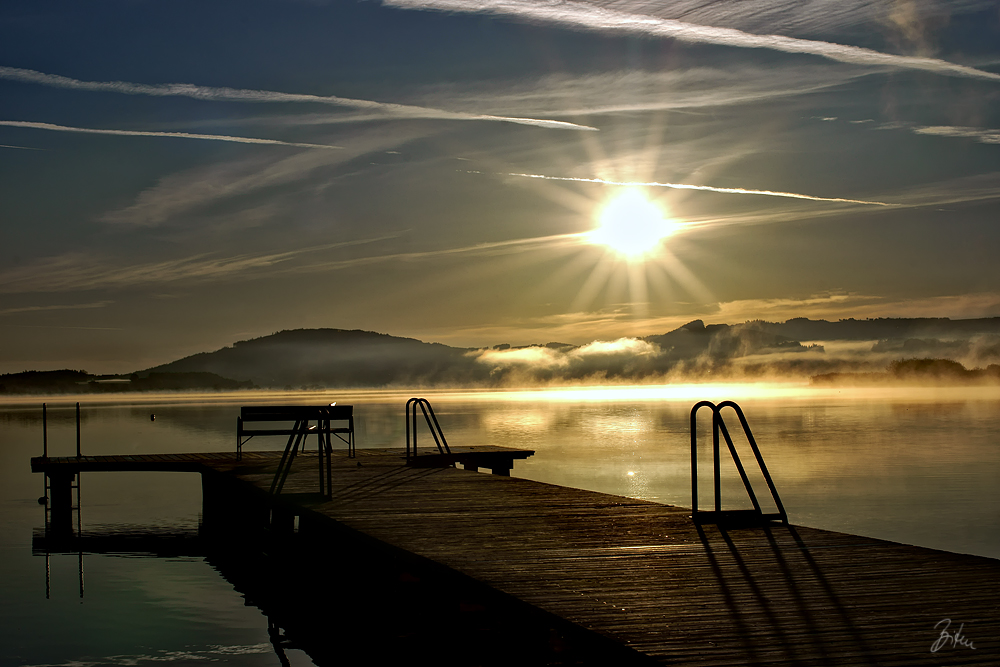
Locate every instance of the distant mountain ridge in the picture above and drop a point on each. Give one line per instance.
(801, 328)
(320, 358)
(346, 358)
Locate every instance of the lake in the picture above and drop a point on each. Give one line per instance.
(918, 466)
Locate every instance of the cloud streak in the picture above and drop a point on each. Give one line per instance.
(74, 272)
(23, 148)
(77, 271)
(979, 134)
(584, 16)
(216, 94)
(169, 135)
(34, 309)
(705, 188)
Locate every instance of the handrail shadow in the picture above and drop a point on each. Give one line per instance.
(756, 579)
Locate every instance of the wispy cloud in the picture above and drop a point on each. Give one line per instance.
(803, 16)
(216, 94)
(639, 90)
(170, 135)
(77, 306)
(584, 16)
(74, 272)
(706, 188)
(193, 196)
(836, 305)
(23, 148)
(492, 248)
(982, 135)
(977, 188)
(77, 271)
(54, 326)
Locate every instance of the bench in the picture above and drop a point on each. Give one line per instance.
(330, 420)
(301, 415)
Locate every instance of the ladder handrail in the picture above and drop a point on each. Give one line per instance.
(432, 424)
(719, 426)
(756, 453)
(739, 465)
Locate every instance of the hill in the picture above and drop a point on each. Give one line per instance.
(334, 357)
(316, 358)
(799, 348)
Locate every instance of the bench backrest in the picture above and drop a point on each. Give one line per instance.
(260, 413)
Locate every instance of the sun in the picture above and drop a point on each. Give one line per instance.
(631, 225)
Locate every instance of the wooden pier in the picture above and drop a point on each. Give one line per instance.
(638, 575)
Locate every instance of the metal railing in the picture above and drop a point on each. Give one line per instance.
(45, 430)
(756, 515)
(432, 424)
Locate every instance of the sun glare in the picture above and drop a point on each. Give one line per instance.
(631, 225)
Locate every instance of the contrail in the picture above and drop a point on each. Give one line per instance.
(706, 188)
(215, 94)
(23, 148)
(588, 17)
(493, 246)
(175, 135)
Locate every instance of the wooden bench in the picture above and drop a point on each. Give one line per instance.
(325, 417)
(301, 415)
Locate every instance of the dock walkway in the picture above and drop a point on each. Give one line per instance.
(640, 573)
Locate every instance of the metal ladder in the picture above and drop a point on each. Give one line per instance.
(432, 424)
(754, 516)
(62, 529)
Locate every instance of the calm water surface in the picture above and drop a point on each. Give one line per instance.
(917, 466)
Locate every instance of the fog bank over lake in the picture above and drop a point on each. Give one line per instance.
(916, 465)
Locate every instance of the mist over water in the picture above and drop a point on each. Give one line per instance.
(913, 465)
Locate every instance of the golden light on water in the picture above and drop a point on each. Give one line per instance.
(672, 392)
(632, 225)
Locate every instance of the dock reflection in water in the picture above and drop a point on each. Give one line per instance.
(332, 600)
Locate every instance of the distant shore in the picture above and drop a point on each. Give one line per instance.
(81, 382)
(916, 372)
(901, 373)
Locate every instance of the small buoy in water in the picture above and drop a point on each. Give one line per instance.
(152, 418)
(43, 500)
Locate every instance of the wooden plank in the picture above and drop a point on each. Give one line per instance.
(645, 575)
(640, 573)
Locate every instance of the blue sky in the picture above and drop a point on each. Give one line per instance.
(177, 176)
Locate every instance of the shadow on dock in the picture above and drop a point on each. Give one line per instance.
(769, 597)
